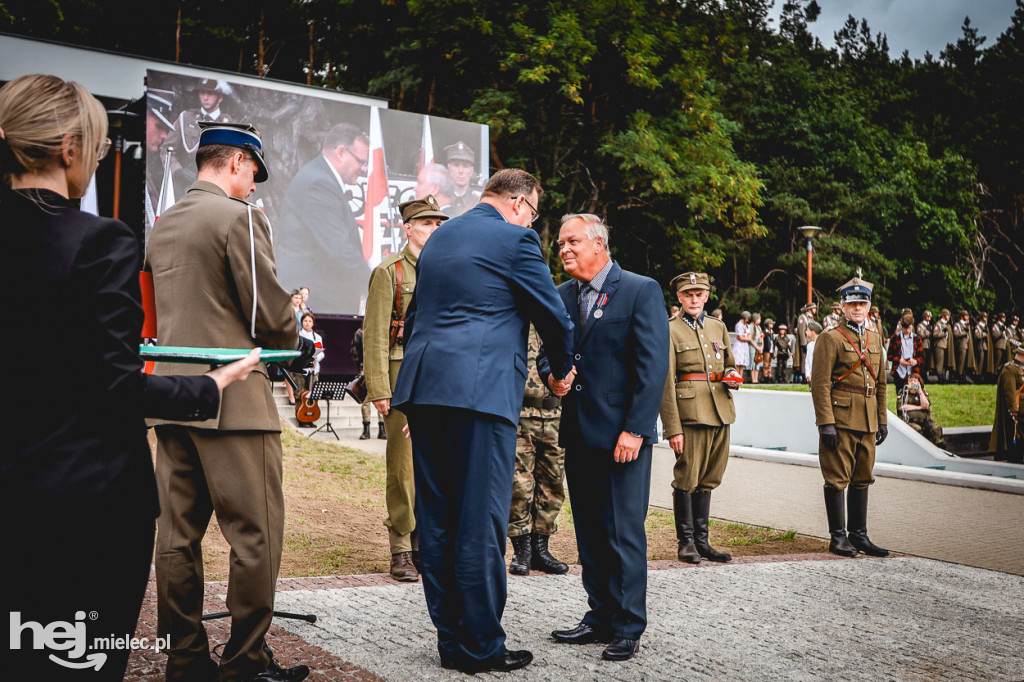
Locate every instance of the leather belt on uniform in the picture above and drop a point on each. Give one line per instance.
(859, 390)
(698, 376)
(549, 403)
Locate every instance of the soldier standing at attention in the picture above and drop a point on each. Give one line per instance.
(832, 319)
(998, 332)
(807, 314)
(391, 286)
(461, 168)
(963, 342)
(848, 390)
(783, 349)
(1007, 441)
(942, 345)
(983, 345)
(696, 411)
(924, 330)
(538, 490)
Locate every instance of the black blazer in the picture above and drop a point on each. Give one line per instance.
(76, 433)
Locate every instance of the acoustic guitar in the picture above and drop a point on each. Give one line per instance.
(306, 411)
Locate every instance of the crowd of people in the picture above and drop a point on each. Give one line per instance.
(970, 349)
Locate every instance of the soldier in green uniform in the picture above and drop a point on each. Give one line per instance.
(807, 315)
(924, 330)
(999, 338)
(783, 351)
(848, 390)
(942, 346)
(696, 411)
(391, 286)
(1007, 441)
(461, 167)
(538, 490)
(963, 345)
(914, 407)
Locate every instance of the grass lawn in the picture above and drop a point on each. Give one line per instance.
(334, 499)
(952, 404)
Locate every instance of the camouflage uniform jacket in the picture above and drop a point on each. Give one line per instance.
(535, 388)
(380, 307)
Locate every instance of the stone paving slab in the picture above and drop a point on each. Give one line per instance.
(889, 619)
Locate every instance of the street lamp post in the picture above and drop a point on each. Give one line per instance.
(809, 232)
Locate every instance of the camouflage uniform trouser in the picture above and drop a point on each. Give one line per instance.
(538, 490)
(922, 422)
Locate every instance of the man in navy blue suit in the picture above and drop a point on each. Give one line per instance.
(481, 280)
(609, 423)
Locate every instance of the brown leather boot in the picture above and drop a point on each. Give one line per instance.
(402, 568)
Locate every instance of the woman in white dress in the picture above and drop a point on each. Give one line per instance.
(741, 344)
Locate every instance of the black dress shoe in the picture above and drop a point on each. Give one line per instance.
(507, 662)
(275, 673)
(581, 634)
(621, 649)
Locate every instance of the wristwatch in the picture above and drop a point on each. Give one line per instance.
(636, 435)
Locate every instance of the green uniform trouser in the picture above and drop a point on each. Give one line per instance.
(851, 463)
(705, 454)
(237, 475)
(939, 360)
(400, 488)
(538, 490)
(922, 422)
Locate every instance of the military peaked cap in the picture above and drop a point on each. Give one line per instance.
(242, 135)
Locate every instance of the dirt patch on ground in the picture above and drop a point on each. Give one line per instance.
(334, 499)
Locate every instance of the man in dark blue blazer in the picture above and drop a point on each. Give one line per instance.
(609, 423)
(317, 242)
(481, 280)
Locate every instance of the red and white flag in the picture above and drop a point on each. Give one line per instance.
(377, 208)
(426, 145)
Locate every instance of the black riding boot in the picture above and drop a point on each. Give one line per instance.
(857, 511)
(682, 506)
(701, 505)
(522, 557)
(366, 431)
(542, 559)
(836, 513)
(381, 433)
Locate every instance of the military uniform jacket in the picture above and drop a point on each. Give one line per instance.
(961, 333)
(941, 334)
(202, 259)
(1008, 395)
(834, 355)
(925, 332)
(998, 335)
(380, 310)
(783, 344)
(703, 348)
(801, 328)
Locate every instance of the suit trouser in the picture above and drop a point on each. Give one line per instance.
(705, 455)
(400, 481)
(90, 558)
(609, 505)
(851, 463)
(463, 462)
(238, 476)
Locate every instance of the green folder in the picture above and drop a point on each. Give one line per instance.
(210, 356)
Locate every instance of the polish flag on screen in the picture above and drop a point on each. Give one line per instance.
(378, 201)
(166, 199)
(426, 145)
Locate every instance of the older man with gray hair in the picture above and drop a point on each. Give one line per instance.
(609, 424)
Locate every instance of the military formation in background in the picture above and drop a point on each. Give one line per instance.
(964, 349)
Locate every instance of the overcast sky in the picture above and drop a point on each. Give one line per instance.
(914, 25)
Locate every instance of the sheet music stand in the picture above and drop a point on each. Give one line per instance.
(327, 390)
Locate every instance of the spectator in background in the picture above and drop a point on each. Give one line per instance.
(813, 329)
(769, 349)
(305, 299)
(741, 343)
(756, 347)
(357, 357)
(433, 180)
(914, 407)
(906, 352)
(673, 312)
(311, 374)
(783, 351)
(718, 314)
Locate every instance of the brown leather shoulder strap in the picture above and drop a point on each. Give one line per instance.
(398, 291)
(861, 359)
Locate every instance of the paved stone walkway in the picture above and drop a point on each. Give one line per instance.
(898, 618)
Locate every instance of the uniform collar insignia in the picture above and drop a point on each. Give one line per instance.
(694, 323)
